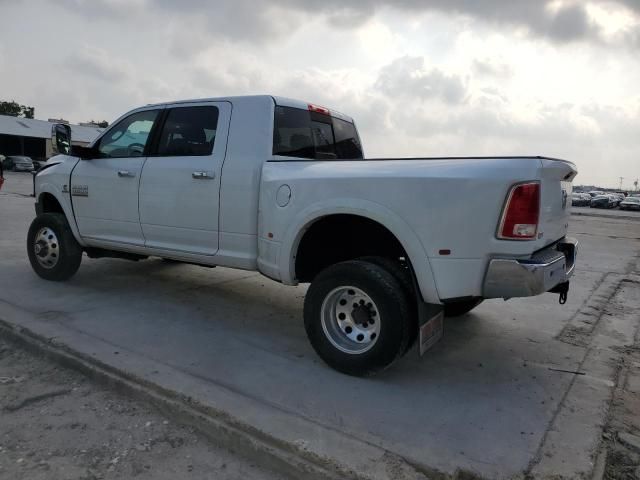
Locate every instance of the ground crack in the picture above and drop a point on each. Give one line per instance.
(580, 328)
(35, 399)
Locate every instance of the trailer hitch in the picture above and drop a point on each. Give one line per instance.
(563, 290)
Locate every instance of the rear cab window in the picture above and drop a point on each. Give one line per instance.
(314, 135)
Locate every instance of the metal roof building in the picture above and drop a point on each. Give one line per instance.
(25, 136)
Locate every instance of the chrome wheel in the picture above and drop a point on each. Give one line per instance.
(46, 248)
(350, 320)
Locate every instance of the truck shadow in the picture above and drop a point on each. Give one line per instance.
(261, 314)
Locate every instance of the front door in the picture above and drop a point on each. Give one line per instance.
(104, 190)
(180, 183)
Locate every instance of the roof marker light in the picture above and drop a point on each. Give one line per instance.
(319, 109)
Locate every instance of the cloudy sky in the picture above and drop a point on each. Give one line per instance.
(421, 77)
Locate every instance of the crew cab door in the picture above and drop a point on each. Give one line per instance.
(104, 189)
(180, 183)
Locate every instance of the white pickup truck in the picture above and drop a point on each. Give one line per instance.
(282, 187)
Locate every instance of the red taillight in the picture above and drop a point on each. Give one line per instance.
(318, 109)
(521, 213)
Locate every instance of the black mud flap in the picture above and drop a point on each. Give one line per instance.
(431, 322)
(563, 290)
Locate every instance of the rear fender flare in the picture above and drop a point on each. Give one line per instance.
(363, 208)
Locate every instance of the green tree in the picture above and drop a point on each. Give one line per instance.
(14, 109)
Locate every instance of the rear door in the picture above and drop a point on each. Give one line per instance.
(104, 189)
(180, 183)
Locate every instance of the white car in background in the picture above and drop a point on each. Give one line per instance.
(630, 203)
(20, 163)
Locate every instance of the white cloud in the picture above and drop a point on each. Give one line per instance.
(407, 77)
(100, 64)
(421, 77)
(378, 41)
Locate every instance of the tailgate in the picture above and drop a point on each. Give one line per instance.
(555, 202)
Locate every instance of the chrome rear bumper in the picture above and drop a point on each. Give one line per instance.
(508, 278)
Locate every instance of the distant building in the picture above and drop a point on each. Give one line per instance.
(24, 136)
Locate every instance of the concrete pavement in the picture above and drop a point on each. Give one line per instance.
(496, 397)
(603, 212)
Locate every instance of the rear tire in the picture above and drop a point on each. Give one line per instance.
(357, 317)
(53, 251)
(458, 309)
(402, 274)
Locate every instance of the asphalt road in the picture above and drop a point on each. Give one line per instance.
(514, 387)
(606, 212)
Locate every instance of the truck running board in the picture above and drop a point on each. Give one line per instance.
(93, 252)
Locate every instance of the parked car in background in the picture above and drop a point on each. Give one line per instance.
(594, 193)
(18, 163)
(576, 200)
(602, 201)
(38, 164)
(615, 199)
(630, 203)
(580, 199)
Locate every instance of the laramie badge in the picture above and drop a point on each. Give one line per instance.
(80, 190)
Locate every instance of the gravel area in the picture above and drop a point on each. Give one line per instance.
(57, 424)
(622, 435)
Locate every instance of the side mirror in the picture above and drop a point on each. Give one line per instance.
(61, 139)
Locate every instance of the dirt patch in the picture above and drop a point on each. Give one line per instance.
(623, 458)
(58, 424)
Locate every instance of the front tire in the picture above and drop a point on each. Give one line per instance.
(53, 251)
(357, 317)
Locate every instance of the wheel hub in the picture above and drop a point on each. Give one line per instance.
(361, 315)
(46, 248)
(41, 249)
(350, 320)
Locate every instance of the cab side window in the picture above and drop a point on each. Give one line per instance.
(188, 131)
(128, 138)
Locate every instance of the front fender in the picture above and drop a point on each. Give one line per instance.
(65, 202)
(364, 208)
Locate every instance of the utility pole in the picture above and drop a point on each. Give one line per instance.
(635, 184)
(621, 178)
